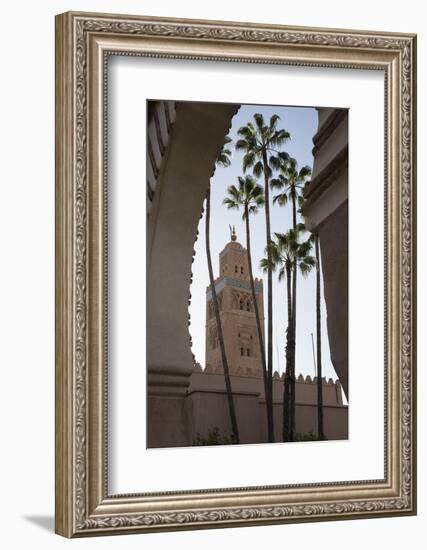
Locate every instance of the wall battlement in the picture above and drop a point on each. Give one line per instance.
(301, 379)
(209, 397)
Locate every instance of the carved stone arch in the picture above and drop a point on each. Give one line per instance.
(175, 212)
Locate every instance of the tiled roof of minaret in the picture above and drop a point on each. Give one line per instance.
(233, 244)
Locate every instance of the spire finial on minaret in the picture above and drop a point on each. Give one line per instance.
(233, 234)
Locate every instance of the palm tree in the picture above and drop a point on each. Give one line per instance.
(288, 253)
(250, 197)
(223, 159)
(283, 257)
(260, 143)
(224, 156)
(320, 431)
(292, 183)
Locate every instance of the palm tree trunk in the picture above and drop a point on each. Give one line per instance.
(270, 426)
(293, 357)
(294, 328)
(288, 370)
(269, 397)
(320, 431)
(232, 411)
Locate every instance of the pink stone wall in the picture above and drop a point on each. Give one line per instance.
(210, 409)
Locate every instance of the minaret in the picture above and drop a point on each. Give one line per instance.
(236, 312)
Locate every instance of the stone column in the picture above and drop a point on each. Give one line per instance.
(326, 213)
(196, 139)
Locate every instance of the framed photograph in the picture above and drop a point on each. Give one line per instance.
(235, 274)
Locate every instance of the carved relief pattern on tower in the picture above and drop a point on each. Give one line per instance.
(211, 310)
(246, 337)
(242, 301)
(213, 337)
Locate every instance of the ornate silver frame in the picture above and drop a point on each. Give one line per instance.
(83, 506)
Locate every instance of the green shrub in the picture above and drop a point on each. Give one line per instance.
(214, 438)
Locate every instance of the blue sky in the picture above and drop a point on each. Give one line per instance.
(301, 123)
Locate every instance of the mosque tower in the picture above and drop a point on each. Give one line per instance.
(237, 314)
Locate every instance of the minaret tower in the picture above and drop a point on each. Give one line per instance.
(236, 312)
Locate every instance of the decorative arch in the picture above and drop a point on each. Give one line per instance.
(172, 226)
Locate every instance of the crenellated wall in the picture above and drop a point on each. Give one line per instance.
(210, 410)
